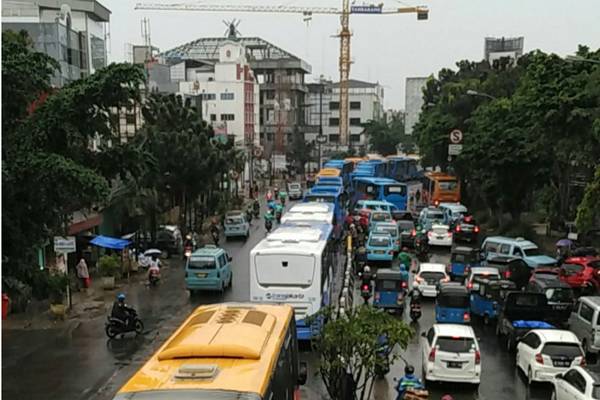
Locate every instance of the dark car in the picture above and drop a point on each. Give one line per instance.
(559, 295)
(408, 233)
(511, 268)
(168, 242)
(466, 230)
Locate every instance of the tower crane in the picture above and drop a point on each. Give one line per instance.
(344, 34)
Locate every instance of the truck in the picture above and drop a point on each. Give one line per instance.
(519, 313)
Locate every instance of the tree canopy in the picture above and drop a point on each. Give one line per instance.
(385, 137)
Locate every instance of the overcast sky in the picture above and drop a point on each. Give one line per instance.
(387, 49)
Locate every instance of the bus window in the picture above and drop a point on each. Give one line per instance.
(448, 185)
(394, 189)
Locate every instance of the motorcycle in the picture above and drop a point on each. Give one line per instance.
(365, 292)
(278, 216)
(153, 277)
(215, 237)
(268, 225)
(249, 216)
(187, 251)
(256, 212)
(414, 393)
(383, 367)
(422, 250)
(115, 326)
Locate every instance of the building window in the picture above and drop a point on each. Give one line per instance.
(334, 122)
(130, 118)
(209, 96)
(213, 117)
(270, 136)
(226, 96)
(227, 117)
(334, 105)
(355, 105)
(334, 138)
(355, 138)
(269, 94)
(355, 121)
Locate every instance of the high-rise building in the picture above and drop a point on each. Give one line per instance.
(413, 102)
(73, 32)
(496, 48)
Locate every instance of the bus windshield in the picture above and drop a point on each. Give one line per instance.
(449, 185)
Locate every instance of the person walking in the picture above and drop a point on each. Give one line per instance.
(83, 273)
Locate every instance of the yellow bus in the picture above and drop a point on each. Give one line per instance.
(224, 351)
(329, 172)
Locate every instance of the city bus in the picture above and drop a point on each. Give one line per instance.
(346, 168)
(380, 166)
(402, 169)
(439, 187)
(354, 160)
(314, 212)
(330, 180)
(382, 189)
(229, 351)
(294, 265)
(338, 199)
(329, 172)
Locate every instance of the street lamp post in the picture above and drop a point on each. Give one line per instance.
(471, 92)
(581, 59)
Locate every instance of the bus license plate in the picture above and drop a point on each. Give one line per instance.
(454, 364)
(201, 275)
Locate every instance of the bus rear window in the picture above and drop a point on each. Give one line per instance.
(394, 189)
(448, 185)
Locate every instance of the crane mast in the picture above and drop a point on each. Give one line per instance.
(344, 35)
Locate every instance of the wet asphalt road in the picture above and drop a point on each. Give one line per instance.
(82, 364)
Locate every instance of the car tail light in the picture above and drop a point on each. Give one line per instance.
(404, 285)
(466, 317)
(413, 233)
(477, 357)
(457, 228)
(582, 362)
(539, 359)
(431, 357)
(429, 234)
(446, 279)
(507, 274)
(470, 285)
(418, 279)
(449, 234)
(365, 287)
(476, 229)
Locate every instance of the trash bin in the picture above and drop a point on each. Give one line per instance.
(5, 303)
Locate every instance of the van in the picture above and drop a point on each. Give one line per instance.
(516, 247)
(584, 323)
(208, 268)
(452, 212)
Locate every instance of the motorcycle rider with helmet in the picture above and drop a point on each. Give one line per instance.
(408, 381)
(122, 311)
(214, 231)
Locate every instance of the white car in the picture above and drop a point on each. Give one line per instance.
(428, 278)
(543, 353)
(490, 273)
(451, 354)
(439, 235)
(295, 191)
(577, 384)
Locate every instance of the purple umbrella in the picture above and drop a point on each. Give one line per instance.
(564, 243)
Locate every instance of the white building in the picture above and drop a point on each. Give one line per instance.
(228, 90)
(496, 48)
(73, 32)
(413, 102)
(365, 103)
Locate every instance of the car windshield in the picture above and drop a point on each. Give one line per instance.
(406, 225)
(379, 241)
(388, 284)
(394, 189)
(435, 215)
(202, 263)
(534, 251)
(553, 349)
(381, 217)
(294, 186)
(559, 295)
(387, 229)
(455, 344)
(234, 220)
(432, 275)
(572, 268)
(487, 275)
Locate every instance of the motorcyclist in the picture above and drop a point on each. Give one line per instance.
(249, 214)
(256, 206)
(366, 276)
(408, 381)
(282, 197)
(276, 192)
(122, 311)
(214, 231)
(154, 270)
(405, 258)
(415, 295)
(269, 217)
(278, 211)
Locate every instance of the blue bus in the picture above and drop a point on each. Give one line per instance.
(382, 189)
(380, 166)
(346, 167)
(402, 168)
(330, 181)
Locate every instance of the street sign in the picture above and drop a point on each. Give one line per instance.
(454, 149)
(321, 139)
(64, 244)
(456, 136)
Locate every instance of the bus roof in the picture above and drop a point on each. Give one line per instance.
(439, 175)
(309, 239)
(233, 345)
(330, 179)
(379, 181)
(311, 207)
(323, 193)
(309, 212)
(318, 188)
(329, 172)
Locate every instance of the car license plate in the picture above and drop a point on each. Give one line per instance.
(562, 363)
(454, 364)
(560, 308)
(440, 237)
(201, 275)
(379, 252)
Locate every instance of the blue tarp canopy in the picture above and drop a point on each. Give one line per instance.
(110, 242)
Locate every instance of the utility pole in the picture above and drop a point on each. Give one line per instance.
(320, 124)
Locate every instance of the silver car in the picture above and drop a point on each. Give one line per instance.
(584, 322)
(295, 191)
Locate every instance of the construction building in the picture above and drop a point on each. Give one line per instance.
(73, 32)
(413, 102)
(280, 76)
(496, 48)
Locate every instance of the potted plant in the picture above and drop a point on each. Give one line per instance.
(57, 289)
(109, 268)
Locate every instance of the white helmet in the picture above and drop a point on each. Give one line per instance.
(367, 269)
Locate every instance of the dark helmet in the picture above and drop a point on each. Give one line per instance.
(409, 370)
(121, 297)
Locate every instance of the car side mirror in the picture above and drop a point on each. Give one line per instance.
(229, 258)
(423, 334)
(302, 373)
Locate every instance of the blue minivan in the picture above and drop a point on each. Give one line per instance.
(208, 268)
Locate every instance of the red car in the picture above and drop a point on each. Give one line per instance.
(581, 273)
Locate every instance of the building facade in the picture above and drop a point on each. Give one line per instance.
(496, 48)
(73, 32)
(365, 104)
(413, 102)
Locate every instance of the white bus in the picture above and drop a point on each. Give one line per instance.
(294, 265)
(310, 212)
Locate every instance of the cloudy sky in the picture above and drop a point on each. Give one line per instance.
(386, 49)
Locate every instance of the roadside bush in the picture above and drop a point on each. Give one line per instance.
(109, 266)
(19, 293)
(57, 287)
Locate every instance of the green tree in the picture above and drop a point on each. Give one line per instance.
(588, 211)
(350, 344)
(382, 139)
(300, 151)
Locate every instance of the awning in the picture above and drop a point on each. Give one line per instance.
(110, 242)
